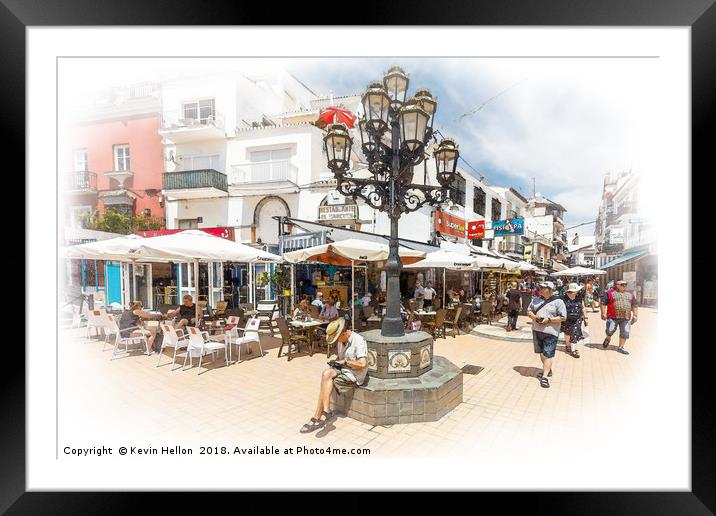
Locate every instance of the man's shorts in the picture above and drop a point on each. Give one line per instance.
(624, 327)
(343, 383)
(544, 343)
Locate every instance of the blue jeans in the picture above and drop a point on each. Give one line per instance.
(544, 343)
(624, 327)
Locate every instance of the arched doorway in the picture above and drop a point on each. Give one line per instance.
(266, 227)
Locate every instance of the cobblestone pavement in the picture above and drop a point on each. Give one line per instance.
(265, 400)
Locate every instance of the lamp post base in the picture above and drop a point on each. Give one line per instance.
(392, 327)
(405, 383)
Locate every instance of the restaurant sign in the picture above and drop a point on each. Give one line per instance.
(476, 229)
(449, 224)
(508, 227)
(227, 233)
(338, 212)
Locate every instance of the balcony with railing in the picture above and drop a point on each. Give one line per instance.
(513, 248)
(179, 127)
(276, 172)
(193, 184)
(82, 182)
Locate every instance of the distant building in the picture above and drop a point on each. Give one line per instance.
(545, 221)
(625, 243)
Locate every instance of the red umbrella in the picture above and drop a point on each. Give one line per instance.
(335, 115)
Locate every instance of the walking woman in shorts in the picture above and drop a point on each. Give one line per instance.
(572, 325)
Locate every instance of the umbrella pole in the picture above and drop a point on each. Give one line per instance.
(293, 286)
(353, 293)
(444, 287)
(196, 289)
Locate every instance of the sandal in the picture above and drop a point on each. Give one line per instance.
(313, 424)
(544, 382)
(575, 353)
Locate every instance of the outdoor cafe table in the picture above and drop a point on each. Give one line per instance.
(310, 327)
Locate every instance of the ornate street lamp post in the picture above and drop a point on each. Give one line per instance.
(394, 133)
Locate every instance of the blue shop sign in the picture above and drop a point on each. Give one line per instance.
(508, 227)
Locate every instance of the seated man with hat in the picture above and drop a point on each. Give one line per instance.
(350, 370)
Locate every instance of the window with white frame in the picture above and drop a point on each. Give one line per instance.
(270, 155)
(121, 157)
(201, 162)
(187, 223)
(201, 110)
(80, 160)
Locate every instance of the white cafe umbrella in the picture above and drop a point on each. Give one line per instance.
(446, 259)
(111, 249)
(198, 246)
(347, 252)
(579, 271)
(193, 245)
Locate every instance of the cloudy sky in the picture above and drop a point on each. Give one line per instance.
(564, 122)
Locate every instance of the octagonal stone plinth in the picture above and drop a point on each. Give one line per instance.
(388, 401)
(408, 356)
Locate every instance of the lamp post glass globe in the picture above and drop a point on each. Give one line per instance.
(446, 156)
(396, 84)
(337, 144)
(376, 106)
(413, 122)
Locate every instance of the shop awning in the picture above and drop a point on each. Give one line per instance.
(579, 271)
(338, 234)
(624, 258)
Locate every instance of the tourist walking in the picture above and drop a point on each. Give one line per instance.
(619, 309)
(591, 299)
(572, 326)
(547, 313)
(514, 306)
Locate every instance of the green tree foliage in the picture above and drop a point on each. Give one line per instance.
(117, 222)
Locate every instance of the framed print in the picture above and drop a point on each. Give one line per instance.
(426, 252)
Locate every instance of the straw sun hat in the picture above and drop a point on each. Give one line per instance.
(334, 329)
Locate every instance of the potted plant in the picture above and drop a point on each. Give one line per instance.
(281, 282)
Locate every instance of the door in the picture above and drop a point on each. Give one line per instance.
(216, 282)
(187, 284)
(113, 282)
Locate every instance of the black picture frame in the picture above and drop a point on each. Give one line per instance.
(700, 15)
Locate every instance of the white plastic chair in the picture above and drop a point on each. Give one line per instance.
(79, 317)
(250, 334)
(96, 320)
(199, 345)
(128, 339)
(172, 338)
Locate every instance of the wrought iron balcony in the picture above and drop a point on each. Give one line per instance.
(83, 181)
(193, 179)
